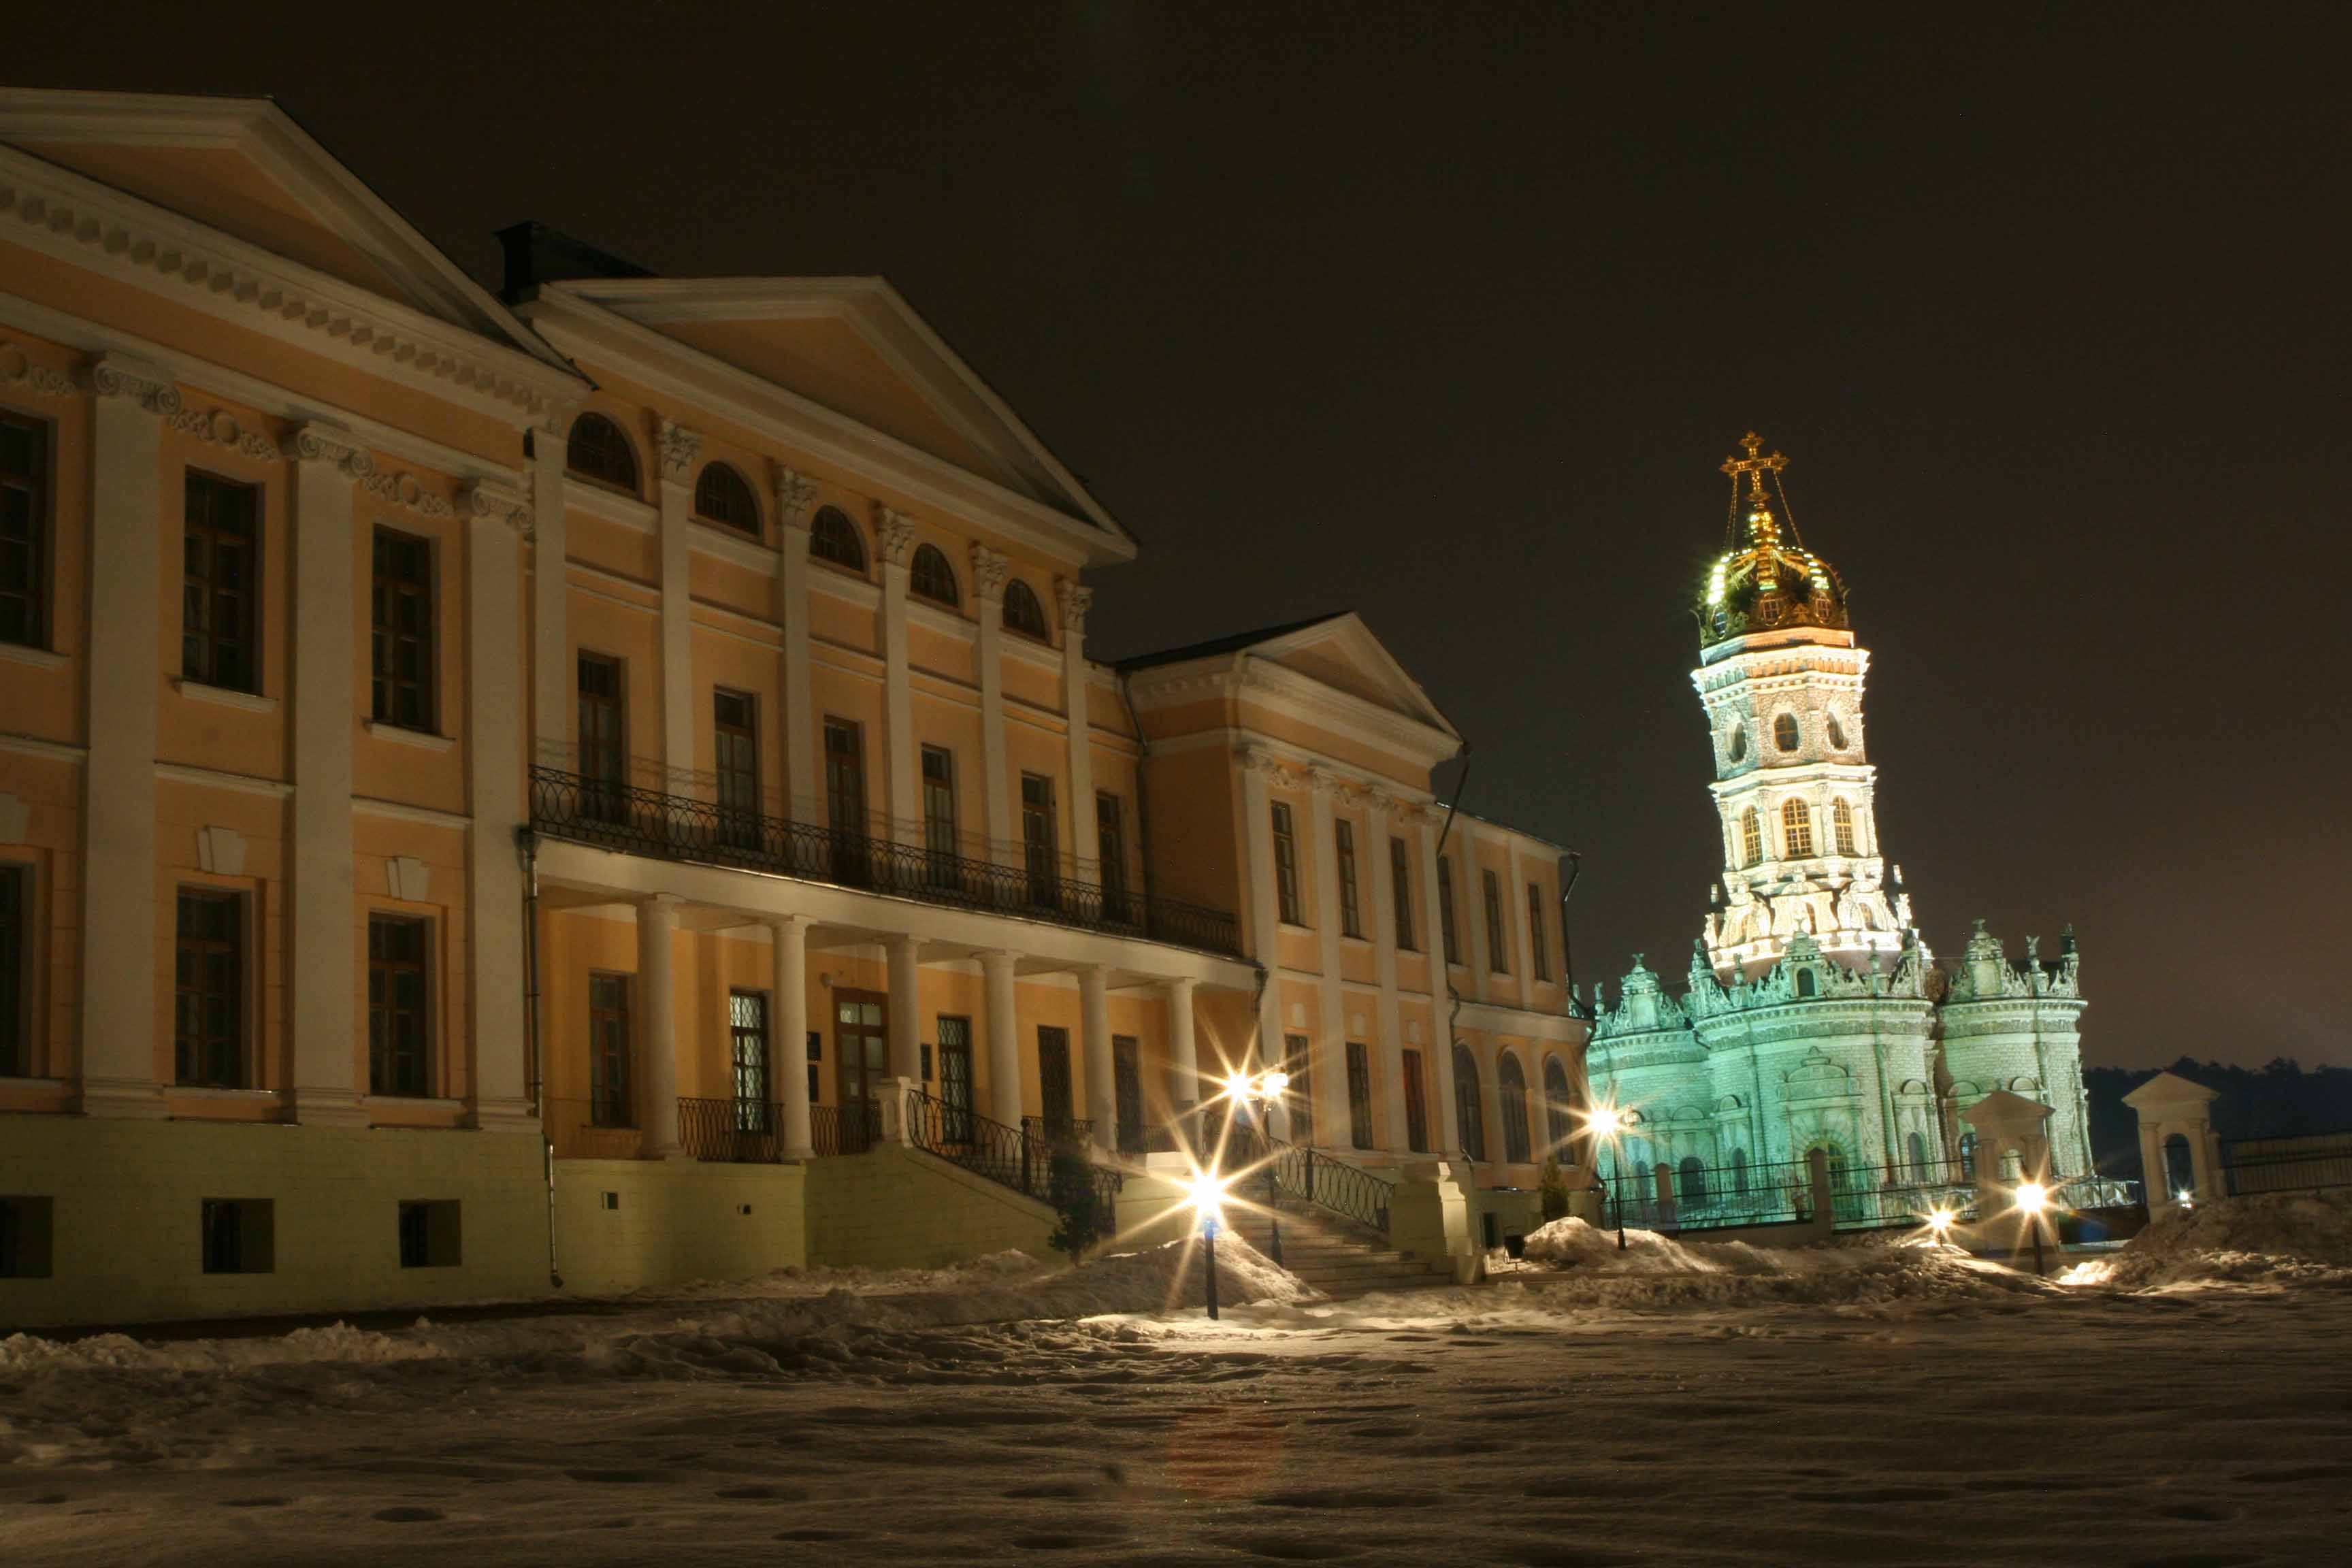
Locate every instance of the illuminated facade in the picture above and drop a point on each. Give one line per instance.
(1814, 1016)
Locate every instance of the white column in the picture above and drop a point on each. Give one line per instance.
(905, 1004)
(1472, 911)
(119, 1021)
(1004, 1039)
(495, 520)
(657, 1027)
(988, 574)
(1444, 1136)
(1391, 1044)
(1183, 1054)
(788, 1035)
(553, 676)
(678, 447)
(1085, 839)
(1258, 771)
(326, 1085)
(1326, 1046)
(896, 537)
(1094, 1021)
(797, 724)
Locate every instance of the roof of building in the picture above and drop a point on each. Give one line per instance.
(1230, 643)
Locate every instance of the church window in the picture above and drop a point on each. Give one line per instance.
(1740, 1170)
(1735, 746)
(1967, 1156)
(833, 537)
(1841, 826)
(1807, 985)
(723, 496)
(1837, 734)
(1751, 838)
(598, 450)
(1691, 1178)
(1784, 732)
(1797, 828)
(1917, 1147)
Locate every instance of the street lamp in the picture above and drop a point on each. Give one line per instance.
(1253, 1094)
(2032, 1199)
(1939, 1221)
(1206, 1192)
(1607, 1122)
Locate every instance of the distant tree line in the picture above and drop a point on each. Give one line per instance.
(2281, 1098)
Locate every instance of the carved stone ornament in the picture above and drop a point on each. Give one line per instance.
(406, 490)
(489, 500)
(795, 497)
(333, 445)
(989, 569)
(896, 532)
(1259, 759)
(114, 376)
(17, 369)
(219, 425)
(677, 446)
(1076, 600)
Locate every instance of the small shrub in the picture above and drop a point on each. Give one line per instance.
(1086, 1215)
(1551, 1189)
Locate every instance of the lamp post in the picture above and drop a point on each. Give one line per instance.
(1253, 1094)
(1206, 1192)
(1606, 1122)
(2032, 1199)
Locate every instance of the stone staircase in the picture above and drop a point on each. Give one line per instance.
(1336, 1256)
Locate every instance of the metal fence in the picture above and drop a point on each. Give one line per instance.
(843, 1129)
(640, 821)
(1310, 1177)
(1780, 1192)
(737, 1131)
(2311, 1163)
(1014, 1157)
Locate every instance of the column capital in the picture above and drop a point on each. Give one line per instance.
(795, 498)
(660, 902)
(989, 569)
(677, 445)
(895, 531)
(1258, 760)
(789, 923)
(489, 500)
(331, 445)
(999, 955)
(1180, 984)
(1076, 599)
(119, 375)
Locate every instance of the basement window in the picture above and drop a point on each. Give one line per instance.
(429, 1234)
(25, 1229)
(611, 1200)
(239, 1236)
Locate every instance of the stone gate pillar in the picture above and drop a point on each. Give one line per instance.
(2166, 1104)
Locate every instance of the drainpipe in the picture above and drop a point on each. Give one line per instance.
(1567, 942)
(526, 847)
(1454, 1013)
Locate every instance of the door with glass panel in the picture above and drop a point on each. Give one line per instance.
(941, 867)
(1110, 832)
(845, 801)
(735, 761)
(955, 1079)
(747, 1031)
(861, 1037)
(602, 740)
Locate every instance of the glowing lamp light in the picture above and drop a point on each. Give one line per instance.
(1605, 1121)
(1940, 1222)
(1272, 1083)
(1237, 1086)
(2032, 1197)
(1206, 1192)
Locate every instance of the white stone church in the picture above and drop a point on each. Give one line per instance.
(1814, 1014)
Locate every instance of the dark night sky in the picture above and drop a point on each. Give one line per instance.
(1447, 315)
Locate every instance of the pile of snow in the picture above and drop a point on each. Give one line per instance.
(2269, 1237)
(1572, 1263)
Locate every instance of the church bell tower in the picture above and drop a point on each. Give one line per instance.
(1781, 677)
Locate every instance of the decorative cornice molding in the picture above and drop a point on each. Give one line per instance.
(334, 445)
(676, 447)
(989, 569)
(17, 369)
(1076, 599)
(114, 375)
(406, 490)
(219, 425)
(795, 497)
(895, 532)
(489, 500)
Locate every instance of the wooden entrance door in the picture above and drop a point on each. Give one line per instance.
(861, 1037)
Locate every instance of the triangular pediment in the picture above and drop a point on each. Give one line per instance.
(242, 167)
(854, 346)
(1341, 653)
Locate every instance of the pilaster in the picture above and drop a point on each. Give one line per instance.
(795, 501)
(496, 522)
(1445, 1134)
(895, 536)
(1258, 769)
(1085, 832)
(1329, 1080)
(678, 449)
(555, 680)
(989, 569)
(1377, 831)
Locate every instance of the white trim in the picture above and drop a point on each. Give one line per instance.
(845, 586)
(421, 740)
(731, 546)
(400, 811)
(1029, 651)
(213, 778)
(602, 500)
(770, 637)
(207, 1092)
(933, 617)
(38, 657)
(221, 696)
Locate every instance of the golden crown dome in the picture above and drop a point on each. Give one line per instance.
(1766, 579)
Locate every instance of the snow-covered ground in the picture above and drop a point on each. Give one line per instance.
(1673, 1403)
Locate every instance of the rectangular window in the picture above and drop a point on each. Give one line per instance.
(942, 867)
(1540, 954)
(208, 1011)
(735, 763)
(237, 1236)
(1417, 1110)
(15, 971)
(955, 1076)
(1110, 838)
(1285, 865)
(816, 1067)
(1298, 1060)
(1343, 844)
(430, 1235)
(400, 640)
(1446, 931)
(604, 739)
(1039, 846)
(747, 1047)
(220, 550)
(24, 1232)
(1400, 895)
(1360, 1094)
(845, 800)
(1054, 1078)
(1126, 1083)
(24, 531)
(608, 1052)
(1497, 957)
(400, 1016)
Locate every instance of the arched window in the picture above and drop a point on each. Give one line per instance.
(1691, 1180)
(1514, 1110)
(598, 450)
(1841, 826)
(723, 496)
(1736, 746)
(1797, 828)
(1467, 1120)
(1751, 838)
(1740, 1170)
(1809, 985)
(1837, 734)
(932, 578)
(833, 537)
(1557, 1105)
(1023, 613)
(1784, 732)
(1917, 1148)
(1969, 1156)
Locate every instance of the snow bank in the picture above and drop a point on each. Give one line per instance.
(2269, 1237)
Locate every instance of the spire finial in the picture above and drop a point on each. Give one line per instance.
(1763, 528)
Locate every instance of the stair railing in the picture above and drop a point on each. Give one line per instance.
(1310, 1177)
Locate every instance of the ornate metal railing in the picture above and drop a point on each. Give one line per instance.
(843, 1129)
(737, 1131)
(1059, 1132)
(640, 821)
(1309, 1176)
(1014, 1157)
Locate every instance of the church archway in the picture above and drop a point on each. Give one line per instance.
(1690, 1181)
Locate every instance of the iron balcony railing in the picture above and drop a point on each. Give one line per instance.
(612, 814)
(1021, 1158)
